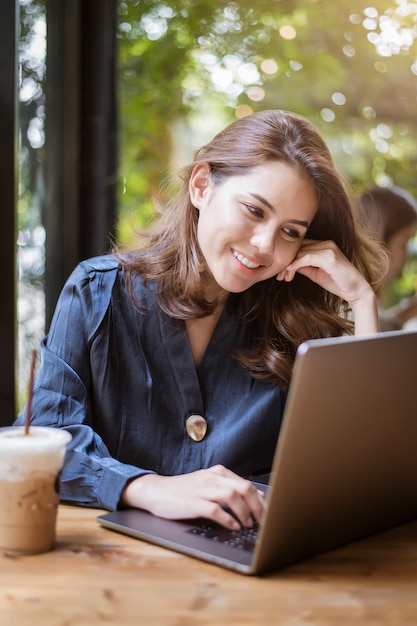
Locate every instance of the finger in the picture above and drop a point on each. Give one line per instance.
(240, 509)
(247, 504)
(241, 496)
(281, 275)
(320, 244)
(256, 502)
(306, 240)
(220, 515)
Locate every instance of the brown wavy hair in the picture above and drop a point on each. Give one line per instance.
(278, 316)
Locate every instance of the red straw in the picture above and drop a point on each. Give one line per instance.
(30, 392)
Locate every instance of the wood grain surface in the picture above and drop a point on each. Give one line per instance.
(96, 576)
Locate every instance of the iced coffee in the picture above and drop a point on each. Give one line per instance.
(30, 467)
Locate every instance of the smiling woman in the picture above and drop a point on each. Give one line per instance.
(169, 363)
(280, 158)
(251, 226)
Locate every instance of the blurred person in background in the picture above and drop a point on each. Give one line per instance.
(391, 214)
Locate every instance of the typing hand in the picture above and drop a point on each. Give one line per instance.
(198, 494)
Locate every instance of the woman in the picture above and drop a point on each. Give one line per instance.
(392, 219)
(170, 364)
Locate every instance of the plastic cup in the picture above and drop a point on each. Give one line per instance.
(30, 468)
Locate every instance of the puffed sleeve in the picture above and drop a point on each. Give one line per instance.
(91, 476)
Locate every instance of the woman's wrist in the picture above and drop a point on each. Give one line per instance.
(135, 492)
(365, 313)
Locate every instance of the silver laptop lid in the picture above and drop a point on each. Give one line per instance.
(346, 461)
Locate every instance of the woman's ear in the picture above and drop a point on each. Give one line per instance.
(199, 183)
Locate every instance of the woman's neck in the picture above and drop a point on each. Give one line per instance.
(200, 331)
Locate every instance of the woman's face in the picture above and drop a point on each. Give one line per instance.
(397, 247)
(251, 226)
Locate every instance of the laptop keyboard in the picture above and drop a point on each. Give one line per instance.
(244, 539)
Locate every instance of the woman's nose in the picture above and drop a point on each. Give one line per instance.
(263, 241)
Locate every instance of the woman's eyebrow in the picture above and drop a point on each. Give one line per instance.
(263, 200)
(272, 208)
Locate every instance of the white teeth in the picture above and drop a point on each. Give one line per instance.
(245, 261)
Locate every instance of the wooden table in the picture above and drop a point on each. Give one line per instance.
(96, 576)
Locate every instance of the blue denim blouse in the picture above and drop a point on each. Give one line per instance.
(123, 382)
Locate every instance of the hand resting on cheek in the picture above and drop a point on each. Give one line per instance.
(325, 264)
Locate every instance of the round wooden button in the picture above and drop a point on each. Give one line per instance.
(196, 427)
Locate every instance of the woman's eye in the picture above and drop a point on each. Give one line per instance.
(291, 232)
(254, 210)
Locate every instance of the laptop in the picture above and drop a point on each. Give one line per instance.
(345, 465)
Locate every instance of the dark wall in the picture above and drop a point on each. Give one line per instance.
(8, 199)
